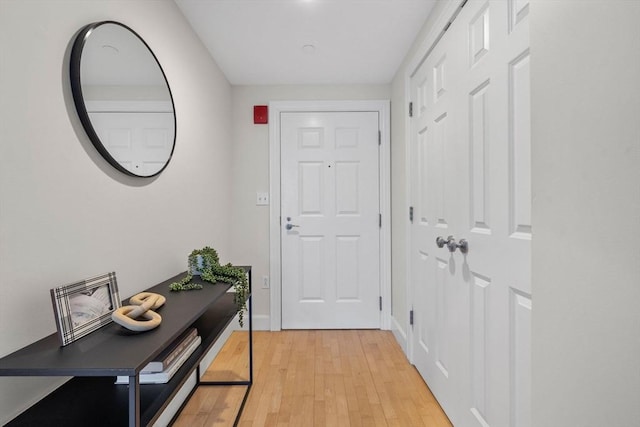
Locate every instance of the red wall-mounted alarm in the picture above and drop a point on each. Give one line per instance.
(260, 114)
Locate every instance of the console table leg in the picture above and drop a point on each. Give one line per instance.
(134, 401)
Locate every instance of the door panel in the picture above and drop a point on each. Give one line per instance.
(520, 147)
(330, 202)
(480, 289)
(310, 283)
(479, 160)
(348, 249)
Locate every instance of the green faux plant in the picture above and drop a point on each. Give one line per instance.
(211, 271)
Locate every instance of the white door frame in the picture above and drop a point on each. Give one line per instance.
(447, 15)
(275, 261)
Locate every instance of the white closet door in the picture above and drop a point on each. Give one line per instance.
(436, 154)
(473, 311)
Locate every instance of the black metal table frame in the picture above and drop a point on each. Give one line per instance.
(247, 383)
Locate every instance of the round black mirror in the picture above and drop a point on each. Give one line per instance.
(123, 98)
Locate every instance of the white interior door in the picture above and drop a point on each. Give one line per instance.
(471, 179)
(330, 229)
(439, 292)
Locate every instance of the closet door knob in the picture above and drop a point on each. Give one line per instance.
(441, 242)
(463, 246)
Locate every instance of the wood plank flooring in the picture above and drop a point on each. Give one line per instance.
(315, 378)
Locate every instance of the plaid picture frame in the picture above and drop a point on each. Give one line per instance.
(85, 306)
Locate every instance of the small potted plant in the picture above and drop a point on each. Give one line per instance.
(206, 263)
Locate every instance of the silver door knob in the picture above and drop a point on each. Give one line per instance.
(463, 245)
(289, 226)
(441, 242)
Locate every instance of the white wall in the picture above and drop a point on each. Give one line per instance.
(585, 86)
(250, 227)
(65, 214)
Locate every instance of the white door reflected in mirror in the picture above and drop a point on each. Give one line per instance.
(123, 98)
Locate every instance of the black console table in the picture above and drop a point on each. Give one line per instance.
(91, 398)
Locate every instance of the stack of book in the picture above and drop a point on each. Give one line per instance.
(168, 362)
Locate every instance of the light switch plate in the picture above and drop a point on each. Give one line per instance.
(262, 199)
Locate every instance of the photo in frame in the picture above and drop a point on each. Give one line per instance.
(85, 306)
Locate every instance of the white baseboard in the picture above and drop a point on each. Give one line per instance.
(261, 322)
(400, 334)
(167, 415)
(217, 346)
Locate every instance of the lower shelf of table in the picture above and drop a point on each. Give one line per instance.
(97, 401)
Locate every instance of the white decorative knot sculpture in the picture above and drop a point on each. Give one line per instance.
(143, 305)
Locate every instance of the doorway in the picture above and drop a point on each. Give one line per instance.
(303, 258)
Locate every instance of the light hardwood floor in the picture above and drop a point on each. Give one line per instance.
(315, 378)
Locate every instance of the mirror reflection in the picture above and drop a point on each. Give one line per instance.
(123, 98)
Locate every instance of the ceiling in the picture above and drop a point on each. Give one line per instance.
(269, 42)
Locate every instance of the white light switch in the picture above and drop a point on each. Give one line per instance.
(262, 199)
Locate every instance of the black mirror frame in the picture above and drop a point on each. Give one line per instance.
(78, 98)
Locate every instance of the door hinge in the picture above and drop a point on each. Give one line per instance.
(411, 317)
(411, 213)
(379, 220)
(380, 299)
(379, 138)
(411, 109)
